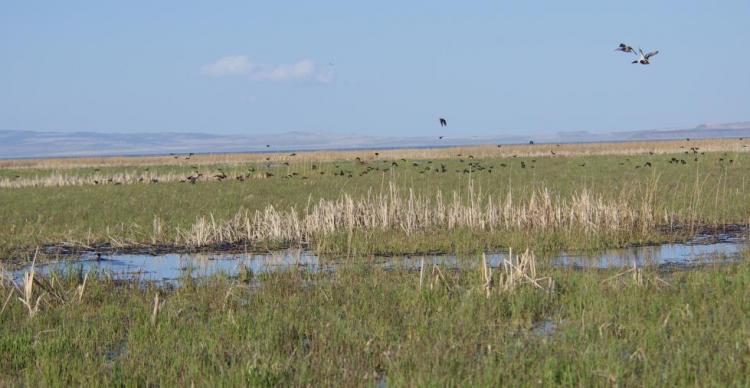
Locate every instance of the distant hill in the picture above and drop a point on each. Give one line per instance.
(704, 131)
(26, 144)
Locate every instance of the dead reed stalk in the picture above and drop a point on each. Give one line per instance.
(520, 270)
(155, 311)
(27, 292)
(82, 287)
(582, 212)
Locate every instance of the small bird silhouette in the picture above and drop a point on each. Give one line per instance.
(443, 123)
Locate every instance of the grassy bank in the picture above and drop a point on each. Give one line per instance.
(674, 189)
(363, 325)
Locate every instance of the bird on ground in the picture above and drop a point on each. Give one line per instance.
(644, 58)
(625, 48)
(443, 122)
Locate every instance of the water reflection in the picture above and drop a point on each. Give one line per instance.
(172, 266)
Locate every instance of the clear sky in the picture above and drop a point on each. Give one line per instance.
(378, 68)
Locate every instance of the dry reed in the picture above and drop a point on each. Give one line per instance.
(520, 270)
(27, 292)
(408, 212)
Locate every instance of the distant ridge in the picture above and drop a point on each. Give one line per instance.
(28, 144)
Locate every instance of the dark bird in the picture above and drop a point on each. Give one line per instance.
(443, 123)
(531, 142)
(268, 145)
(440, 137)
(625, 48)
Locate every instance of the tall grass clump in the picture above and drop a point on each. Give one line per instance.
(407, 212)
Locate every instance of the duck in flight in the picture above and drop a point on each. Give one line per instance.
(644, 58)
(625, 48)
(443, 122)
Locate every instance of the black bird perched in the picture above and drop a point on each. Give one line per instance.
(443, 123)
(531, 142)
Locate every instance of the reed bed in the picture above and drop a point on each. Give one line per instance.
(57, 179)
(407, 212)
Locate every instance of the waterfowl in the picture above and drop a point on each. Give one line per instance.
(625, 48)
(644, 58)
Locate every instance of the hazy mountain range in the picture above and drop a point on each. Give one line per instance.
(26, 144)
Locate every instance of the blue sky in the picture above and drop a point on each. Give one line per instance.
(377, 68)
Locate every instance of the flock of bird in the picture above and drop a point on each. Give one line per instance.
(467, 164)
(643, 58)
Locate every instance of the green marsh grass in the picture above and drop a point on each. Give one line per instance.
(710, 191)
(363, 325)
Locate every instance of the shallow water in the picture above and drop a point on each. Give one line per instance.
(170, 267)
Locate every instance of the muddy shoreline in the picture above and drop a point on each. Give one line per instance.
(692, 235)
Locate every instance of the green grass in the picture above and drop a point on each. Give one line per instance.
(714, 192)
(362, 325)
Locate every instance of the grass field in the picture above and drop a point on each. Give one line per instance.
(524, 323)
(597, 195)
(366, 326)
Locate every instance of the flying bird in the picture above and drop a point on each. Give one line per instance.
(443, 123)
(626, 48)
(644, 58)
